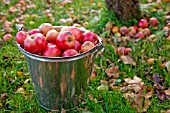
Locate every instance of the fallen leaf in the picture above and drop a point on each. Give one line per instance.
(113, 71)
(147, 103)
(112, 82)
(167, 92)
(158, 79)
(4, 95)
(168, 66)
(103, 87)
(128, 60)
(168, 111)
(161, 95)
(21, 90)
(148, 95)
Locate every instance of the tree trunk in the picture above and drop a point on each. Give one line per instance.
(124, 9)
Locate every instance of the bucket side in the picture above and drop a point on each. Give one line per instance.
(60, 84)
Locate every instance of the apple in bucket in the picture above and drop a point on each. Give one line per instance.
(65, 40)
(35, 43)
(47, 40)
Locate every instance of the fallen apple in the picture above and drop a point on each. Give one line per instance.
(143, 23)
(140, 35)
(131, 31)
(7, 37)
(153, 21)
(115, 29)
(123, 30)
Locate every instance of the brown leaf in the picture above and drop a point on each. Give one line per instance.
(135, 80)
(161, 96)
(113, 71)
(128, 60)
(112, 82)
(167, 92)
(147, 103)
(168, 111)
(4, 95)
(148, 95)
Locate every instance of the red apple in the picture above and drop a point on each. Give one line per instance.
(115, 29)
(147, 31)
(69, 52)
(86, 46)
(77, 45)
(123, 30)
(45, 27)
(7, 37)
(65, 40)
(35, 43)
(51, 50)
(140, 35)
(153, 21)
(127, 50)
(33, 31)
(51, 36)
(20, 37)
(76, 32)
(120, 50)
(131, 31)
(143, 23)
(90, 36)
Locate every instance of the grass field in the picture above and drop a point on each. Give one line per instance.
(16, 89)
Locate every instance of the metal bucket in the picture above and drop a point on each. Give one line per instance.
(60, 82)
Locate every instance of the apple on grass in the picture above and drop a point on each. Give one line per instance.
(123, 30)
(35, 43)
(51, 50)
(153, 21)
(69, 52)
(20, 37)
(143, 23)
(131, 31)
(140, 34)
(51, 36)
(86, 46)
(90, 36)
(76, 32)
(7, 37)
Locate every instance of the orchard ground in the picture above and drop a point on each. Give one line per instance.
(136, 82)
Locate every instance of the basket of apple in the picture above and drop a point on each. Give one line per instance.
(60, 61)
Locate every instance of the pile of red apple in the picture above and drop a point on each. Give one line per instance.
(140, 30)
(47, 41)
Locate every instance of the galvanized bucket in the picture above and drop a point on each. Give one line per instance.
(60, 82)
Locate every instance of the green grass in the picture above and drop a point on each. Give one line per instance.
(14, 72)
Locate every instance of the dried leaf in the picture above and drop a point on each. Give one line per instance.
(103, 82)
(4, 95)
(157, 78)
(168, 66)
(103, 87)
(167, 92)
(148, 95)
(20, 73)
(128, 60)
(112, 82)
(63, 110)
(147, 103)
(21, 90)
(161, 96)
(168, 111)
(113, 71)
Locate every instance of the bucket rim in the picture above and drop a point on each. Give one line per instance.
(96, 48)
